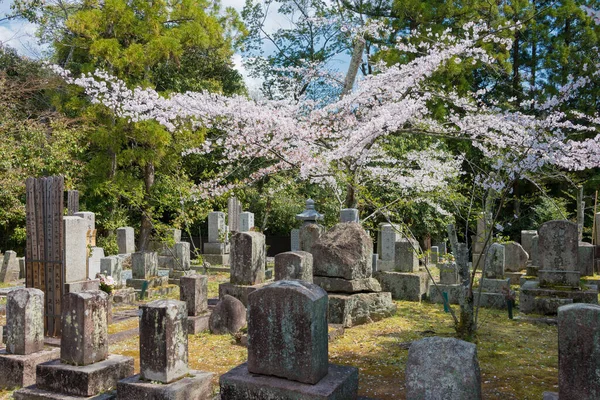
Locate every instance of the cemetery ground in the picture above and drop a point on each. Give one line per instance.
(518, 358)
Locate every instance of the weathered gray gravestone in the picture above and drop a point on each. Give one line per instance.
(494, 262)
(579, 352)
(94, 262)
(246, 221)
(228, 316)
(234, 209)
(113, 266)
(515, 257)
(558, 246)
(248, 258)
(287, 331)
(216, 227)
(182, 256)
(349, 215)
(164, 371)
(126, 240)
(75, 229)
(448, 273)
(435, 255)
(144, 265)
(310, 231)
(10, 267)
(442, 369)
(296, 265)
(527, 240)
(193, 291)
(25, 322)
(295, 240)
(406, 258)
(586, 258)
(85, 328)
(388, 235)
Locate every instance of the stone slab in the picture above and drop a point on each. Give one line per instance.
(88, 380)
(456, 293)
(240, 292)
(347, 286)
(216, 259)
(216, 248)
(196, 385)
(360, 308)
(404, 285)
(198, 324)
(559, 278)
(341, 383)
(20, 370)
(533, 299)
(153, 282)
(490, 300)
(81, 286)
(495, 285)
(33, 393)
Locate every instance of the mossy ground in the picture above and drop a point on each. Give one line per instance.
(518, 359)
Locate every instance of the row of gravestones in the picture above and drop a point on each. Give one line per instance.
(287, 353)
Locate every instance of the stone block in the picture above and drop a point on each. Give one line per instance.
(182, 256)
(228, 316)
(21, 267)
(345, 251)
(246, 221)
(75, 240)
(84, 328)
(198, 323)
(495, 285)
(197, 386)
(82, 286)
(19, 370)
(248, 258)
(534, 299)
(406, 257)
(166, 262)
(163, 341)
(558, 246)
(441, 248)
(514, 277)
(386, 241)
(193, 290)
(534, 256)
(309, 234)
(24, 321)
(33, 393)
(515, 257)
(126, 240)
(84, 381)
(435, 255)
(443, 368)
(89, 218)
(341, 383)
(559, 278)
(153, 282)
(495, 261)
(586, 259)
(10, 267)
(287, 331)
(144, 265)
(490, 300)
(96, 254)
(240, 292)
(360, 308)
(113, 266)
(295, 240)
(217, 230)
(383, 265)
(216, 248)
(456, 293)
(404, 286)
(340, 285)
(216, 259)
(579, 352)
(349, 215)
(527, 240)
(448, 273)
(296, 265)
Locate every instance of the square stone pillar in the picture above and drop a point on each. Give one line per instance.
(126, 240)
(24, 321)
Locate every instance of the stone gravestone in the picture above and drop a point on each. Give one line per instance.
(535, 259)
(234, 209)
(246, 222)
(85, 369)
(126, 240)
(94, 261)
(295, 240)
(342, 265)
(515, 257)
(24, 338)
(559, 274)
(294, 265)
(164, 371)
(288, 349)
(448, 273)
(386, 246)
(181, 262)
(435, 255)
(75, 230)
(349, 215)
(449, 284)
(586, 258)
(248, 259)
(193, 290)
(527, 240)
(144, 272)
(406, 257)
(216, 250)
(494, 288)
(228, 316)
(578, 352)
(442, 369)
(10, 267)
(310, 231)
(495, 259)
(113, 266)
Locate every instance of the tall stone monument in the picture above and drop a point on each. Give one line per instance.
(311, 230)
(216, 250)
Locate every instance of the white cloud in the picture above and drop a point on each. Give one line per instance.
(20, 35)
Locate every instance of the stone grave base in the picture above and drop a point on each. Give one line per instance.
(240, 292)
(80, 286)
(532, 270)
(216, 259)
(359, 308)
(158, 291)
(196, 385)
(527, 278)
(84, 381)
(538, 300)
(19, 371)
(385, 265)
(404, 285)
(347, 286)
(153, 282)
(33, 393)
(490, 300)
(125, 296)
(341, 383)
(198, 324)
(456, 293)
(515, 277)
(166, 262)
(568, 279)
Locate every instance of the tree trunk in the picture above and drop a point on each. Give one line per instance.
(359, 46)
(516, 80)
(146, 226)
(466, 327)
